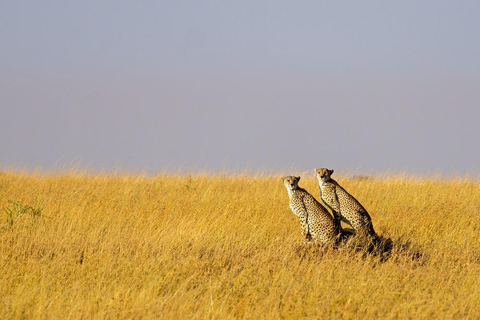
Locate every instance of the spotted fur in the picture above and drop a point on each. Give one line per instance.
(343, 205)
(316, 222)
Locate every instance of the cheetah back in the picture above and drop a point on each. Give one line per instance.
(314, 218)
(351, 211)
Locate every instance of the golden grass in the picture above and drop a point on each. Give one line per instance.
(219, 247)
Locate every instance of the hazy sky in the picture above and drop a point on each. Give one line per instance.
(363, 86)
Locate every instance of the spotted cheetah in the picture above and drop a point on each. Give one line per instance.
(343, 205)
(316, 222)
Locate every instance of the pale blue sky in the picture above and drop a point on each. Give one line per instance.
(358, 86)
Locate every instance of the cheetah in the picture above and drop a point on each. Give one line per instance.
(343, 205)
(316, 222)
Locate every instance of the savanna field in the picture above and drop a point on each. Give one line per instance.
(81, 246)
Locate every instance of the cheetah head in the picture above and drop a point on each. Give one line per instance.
(323, 174)
(290, 182)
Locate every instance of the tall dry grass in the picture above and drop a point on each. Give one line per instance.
(76, 246)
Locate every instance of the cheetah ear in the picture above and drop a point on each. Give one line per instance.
(330, 171)
(297, 179)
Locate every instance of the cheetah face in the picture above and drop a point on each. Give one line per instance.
(291, 182)
(323, 174)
